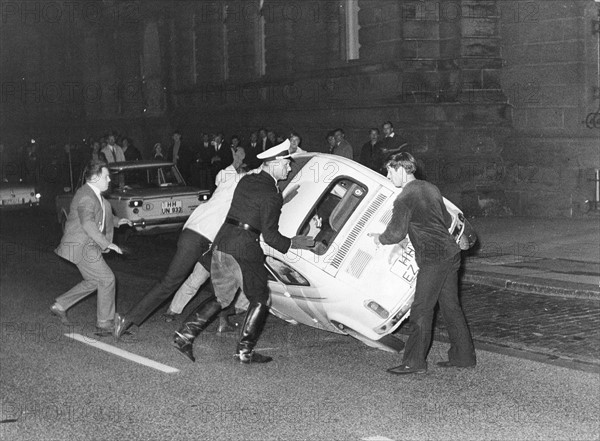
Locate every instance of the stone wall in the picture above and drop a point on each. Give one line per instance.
(493, 95)
(549, 77)
(430, 68)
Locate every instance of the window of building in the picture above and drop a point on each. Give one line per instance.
(194, 64)
(225, 45)
(260, 61)
(351, 27)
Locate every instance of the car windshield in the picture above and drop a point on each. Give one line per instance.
(155, 177)
(331, 212)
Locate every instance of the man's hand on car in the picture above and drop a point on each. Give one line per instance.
(302, 242)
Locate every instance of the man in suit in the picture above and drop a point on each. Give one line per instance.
(113, 152)
(200, 170)
(391, 143)
(238, 259)
(342, 147)
(88, 233)
(222, 156)
(182, 157)
(264, 143)
(252, 150)
(369, 147)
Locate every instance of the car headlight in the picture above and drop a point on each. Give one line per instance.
(38, 195)
(136, 203)
(203, 197)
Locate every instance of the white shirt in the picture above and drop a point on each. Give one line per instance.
(97, 193)
(207, 218)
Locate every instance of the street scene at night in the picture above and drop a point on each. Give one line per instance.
(369, 220)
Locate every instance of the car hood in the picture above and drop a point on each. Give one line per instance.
(156, 192)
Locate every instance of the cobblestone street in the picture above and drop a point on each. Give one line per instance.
(556, 326)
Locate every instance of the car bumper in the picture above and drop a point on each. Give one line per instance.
(159, 225)
(20, 205)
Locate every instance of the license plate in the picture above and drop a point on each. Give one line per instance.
(172, 207)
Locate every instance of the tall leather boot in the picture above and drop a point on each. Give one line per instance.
(253, 326)
(194, 325)
(225, 325)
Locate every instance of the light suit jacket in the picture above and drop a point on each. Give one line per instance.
(82, 238)
(118, 155)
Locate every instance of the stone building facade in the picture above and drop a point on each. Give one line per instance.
(493, 95)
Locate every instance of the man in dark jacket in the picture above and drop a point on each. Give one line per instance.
(391, 143)
(238, 259)
(420, 212)
(369, 147)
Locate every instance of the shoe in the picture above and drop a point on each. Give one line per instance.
(62, 315)
(184, 346)
(169, 316)
(449, 364)
(121, 325)
(405, 370)
(103, 332)
(252, 357)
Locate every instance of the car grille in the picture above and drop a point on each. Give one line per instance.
(357, 229)
(358, 263)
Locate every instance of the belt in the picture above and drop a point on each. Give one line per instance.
(241, 225)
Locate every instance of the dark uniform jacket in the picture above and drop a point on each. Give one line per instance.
(256, 202)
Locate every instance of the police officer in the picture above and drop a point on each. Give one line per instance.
(238, 259)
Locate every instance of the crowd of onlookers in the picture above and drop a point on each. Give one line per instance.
(198, 164)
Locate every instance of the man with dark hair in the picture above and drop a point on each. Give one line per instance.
(369, 148)
(295, 141)
(222, 156)
(182, 157)
(88, 233)
(419, 211)
(112, 151)
(390, 144)
(342, 147)
(238, 259)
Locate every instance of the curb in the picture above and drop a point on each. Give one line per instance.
(532, 285)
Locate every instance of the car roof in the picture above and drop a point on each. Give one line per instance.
(138, 165)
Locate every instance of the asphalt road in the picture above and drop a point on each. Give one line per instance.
(320, 386)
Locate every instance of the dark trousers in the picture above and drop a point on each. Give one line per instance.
(438, 283)
(190, 248)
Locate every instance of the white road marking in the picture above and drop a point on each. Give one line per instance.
(377, 438)
(121, 353)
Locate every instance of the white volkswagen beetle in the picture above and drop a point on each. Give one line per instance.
(345, 284)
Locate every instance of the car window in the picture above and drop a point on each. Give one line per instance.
(154, 177)
(285, 273)
(332, 211)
